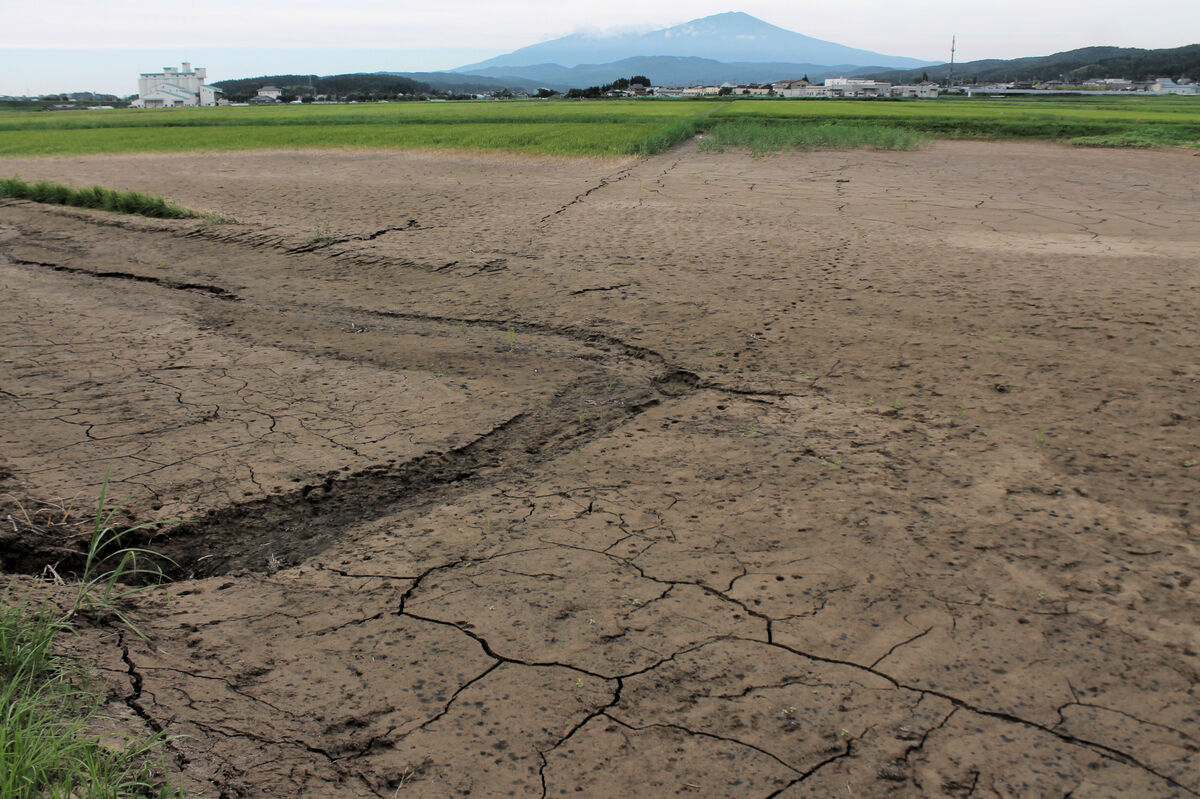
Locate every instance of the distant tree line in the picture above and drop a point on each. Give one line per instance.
(1073, 66)
(361, 87)
(53, 101)
(620, 84)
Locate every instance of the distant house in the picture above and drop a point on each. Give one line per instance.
(267, 95)
(914, 90)
(791, 88)
(1168, 86)
(175, 88)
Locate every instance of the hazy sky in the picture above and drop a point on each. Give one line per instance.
(72, 45)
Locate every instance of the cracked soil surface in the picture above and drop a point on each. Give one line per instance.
(836, 474)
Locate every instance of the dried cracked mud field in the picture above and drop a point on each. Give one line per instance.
(840, 474)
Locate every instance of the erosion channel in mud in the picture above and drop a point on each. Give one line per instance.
(865, 474)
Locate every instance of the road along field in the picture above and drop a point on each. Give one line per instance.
(828, 474)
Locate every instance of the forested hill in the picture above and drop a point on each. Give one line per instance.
(367, 85)
(1072, 66)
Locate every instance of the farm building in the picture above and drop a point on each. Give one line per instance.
(175, 88)
(852, 87)
(927, 89)
(791, 88)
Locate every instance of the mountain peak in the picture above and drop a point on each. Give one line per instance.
(733, 18)
(732, 36)
(730, 17)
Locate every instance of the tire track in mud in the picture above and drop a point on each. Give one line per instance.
(287, 528)
(296, 525)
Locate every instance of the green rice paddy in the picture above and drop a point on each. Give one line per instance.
(601, 128)
(1097, 120)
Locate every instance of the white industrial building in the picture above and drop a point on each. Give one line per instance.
(1168, 86)
(852, 87)
(175, 88)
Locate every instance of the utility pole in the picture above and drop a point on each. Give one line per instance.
(950, 80)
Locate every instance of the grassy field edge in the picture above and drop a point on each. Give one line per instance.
(48, 714)
(97, 197)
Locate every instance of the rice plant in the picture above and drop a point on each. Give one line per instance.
(763, 137)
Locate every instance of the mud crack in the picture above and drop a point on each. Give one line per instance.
(203, 288)
(601, 288)
(600, 711)
(136, 682)
(1103, 750)
(322, 243)
(619, 175)
(848, 752)
(179, 286)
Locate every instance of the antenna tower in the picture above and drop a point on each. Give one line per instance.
(950, 79)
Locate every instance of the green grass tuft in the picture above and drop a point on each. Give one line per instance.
(120, 202)
(1143, 139)
(113, 564)
(49, 746)
(763, 137)
(46, 716)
